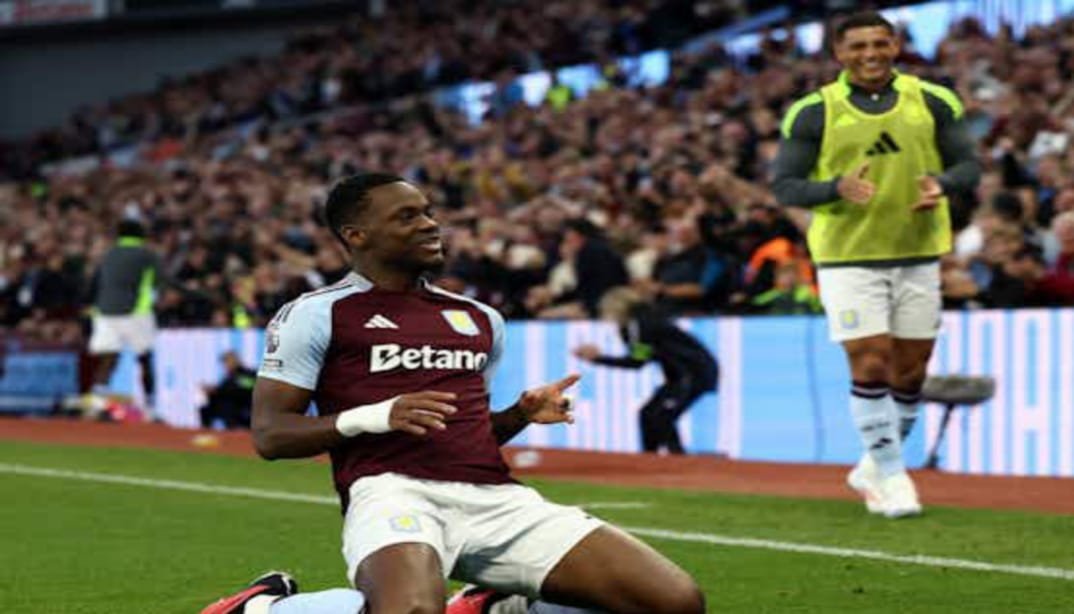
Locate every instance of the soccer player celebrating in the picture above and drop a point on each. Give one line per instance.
(399, 370)
(874, 154)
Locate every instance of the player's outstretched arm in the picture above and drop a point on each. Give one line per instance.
(282, 430)
(544, 405)
(637, 358)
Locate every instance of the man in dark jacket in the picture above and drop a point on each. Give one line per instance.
(231, 400)
(690, 370)
(596, 265)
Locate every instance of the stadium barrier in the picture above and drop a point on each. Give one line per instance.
(783, 393)
(35, 377)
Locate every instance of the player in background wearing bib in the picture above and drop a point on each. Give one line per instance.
(399, 370)
(123, 291)
(875, 154)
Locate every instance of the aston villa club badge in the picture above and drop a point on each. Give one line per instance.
(461, 322)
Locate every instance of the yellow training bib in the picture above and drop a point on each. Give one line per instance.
(900, 146)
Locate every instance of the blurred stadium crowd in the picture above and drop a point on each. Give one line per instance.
(410, 49)
(543, 208)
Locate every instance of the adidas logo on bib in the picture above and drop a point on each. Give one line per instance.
(884, 145)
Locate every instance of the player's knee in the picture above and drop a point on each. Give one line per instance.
(874, 366)
(870, 358)
(684, 597)
(407, 598)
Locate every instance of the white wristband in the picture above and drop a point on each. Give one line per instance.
(372, 418)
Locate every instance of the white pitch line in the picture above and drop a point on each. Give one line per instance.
(703, 538)
(276, 495)
(613, 505)
(875, 555)
(111, 478)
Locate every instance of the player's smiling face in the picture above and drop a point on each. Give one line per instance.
(402, 228)
(868, 54)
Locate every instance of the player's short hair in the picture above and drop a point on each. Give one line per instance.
(864, 19)
(349, 198)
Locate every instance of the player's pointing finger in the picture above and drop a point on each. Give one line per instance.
(567, 382)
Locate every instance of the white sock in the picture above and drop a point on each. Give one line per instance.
(513, 604)
(907, 404)
(875, 417)
(331, 601)
(262, 604)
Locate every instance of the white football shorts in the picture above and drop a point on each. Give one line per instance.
(903, 301)
(111, 334)
(505, 537)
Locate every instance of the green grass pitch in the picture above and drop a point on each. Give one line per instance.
(71, 545)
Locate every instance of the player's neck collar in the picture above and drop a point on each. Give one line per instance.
(357, 279)
(848, 87)
(364, 283)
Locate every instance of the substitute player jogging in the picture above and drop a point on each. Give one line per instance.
(875, 154)
(123, 291)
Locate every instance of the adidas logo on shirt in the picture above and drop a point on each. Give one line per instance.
(884, 145)
(379, 321)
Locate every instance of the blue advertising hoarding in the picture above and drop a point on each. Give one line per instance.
(36, 380)
(783, 391)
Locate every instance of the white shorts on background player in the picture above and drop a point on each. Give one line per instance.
(111, 334)
(903, 301)
(501, 536)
